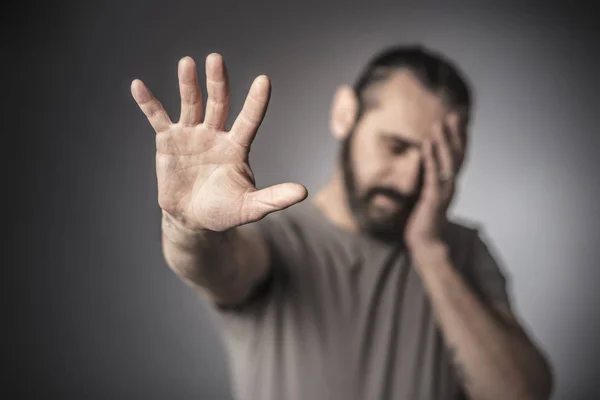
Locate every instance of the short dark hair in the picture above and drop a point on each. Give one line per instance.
(432, 69)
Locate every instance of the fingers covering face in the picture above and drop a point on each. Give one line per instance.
(456, 136)
(444, 153)
(449, 141)
(431, 181)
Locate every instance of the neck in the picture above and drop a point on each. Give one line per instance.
(332, 200)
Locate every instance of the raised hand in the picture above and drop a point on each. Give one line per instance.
(204, 178)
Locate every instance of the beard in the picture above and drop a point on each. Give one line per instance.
(378, 222)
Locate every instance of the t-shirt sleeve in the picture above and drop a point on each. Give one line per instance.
(243, 323)
(486, 273)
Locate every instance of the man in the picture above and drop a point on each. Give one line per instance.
(365, 291)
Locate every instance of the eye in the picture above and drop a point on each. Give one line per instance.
(398, 147)
(395, 144)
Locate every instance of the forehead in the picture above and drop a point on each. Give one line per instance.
(403, 105)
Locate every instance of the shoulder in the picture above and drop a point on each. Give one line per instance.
(466, 226)
(478, 260)
(461, 235)
(468, 234)
(289, 227)
(471, 246)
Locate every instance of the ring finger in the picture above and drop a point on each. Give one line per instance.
(217, 86)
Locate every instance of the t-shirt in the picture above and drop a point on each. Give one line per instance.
(343, 316)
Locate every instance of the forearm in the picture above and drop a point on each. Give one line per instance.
(494, 360)
(222, 265)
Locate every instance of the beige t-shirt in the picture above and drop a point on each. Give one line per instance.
(345, 317)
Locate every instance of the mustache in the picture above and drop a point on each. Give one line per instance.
(394, 195)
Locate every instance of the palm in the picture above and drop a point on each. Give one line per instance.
(202, 176)
(204, 179)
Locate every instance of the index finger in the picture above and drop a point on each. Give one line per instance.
(456, 136)
(150, 106)
(431, 174)
(248, 121)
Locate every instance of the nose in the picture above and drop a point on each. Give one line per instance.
(408, 171)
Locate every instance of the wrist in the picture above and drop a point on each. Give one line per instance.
(429, 253)
(179, 234)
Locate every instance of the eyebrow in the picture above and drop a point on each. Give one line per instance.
(400, 138)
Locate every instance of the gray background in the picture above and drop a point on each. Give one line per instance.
(94, 313)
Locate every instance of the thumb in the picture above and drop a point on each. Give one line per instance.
(259, 203)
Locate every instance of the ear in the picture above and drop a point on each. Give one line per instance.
(343, 112)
